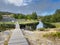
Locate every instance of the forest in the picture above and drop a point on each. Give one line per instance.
(52, 18)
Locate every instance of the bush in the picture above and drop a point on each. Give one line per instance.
(4, 27)
(42, 29)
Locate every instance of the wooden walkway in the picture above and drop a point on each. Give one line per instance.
(17, 37)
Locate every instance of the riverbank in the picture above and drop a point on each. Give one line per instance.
(36, 38)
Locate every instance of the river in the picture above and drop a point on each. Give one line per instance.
(40, 25)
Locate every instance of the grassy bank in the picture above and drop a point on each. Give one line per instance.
(57, 24)
(6, 22)
(52, 25)
(21, 22)
(27, 21)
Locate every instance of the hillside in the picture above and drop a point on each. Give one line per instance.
(5, 13)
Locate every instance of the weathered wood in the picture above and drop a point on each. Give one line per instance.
(17, 37)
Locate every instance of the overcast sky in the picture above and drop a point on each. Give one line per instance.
(42, 7)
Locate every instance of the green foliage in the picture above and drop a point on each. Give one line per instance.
(52, 18)
(48, 25)
(34, 15)
(19, 16)
(0, 17)
(29, 16)
(57, 11)
(56, 24)
(4, 27)
(15, 16)
(47, 18)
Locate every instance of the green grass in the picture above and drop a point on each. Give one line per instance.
(57, 25)
(6, 22)
(21, 22)
(27, 21)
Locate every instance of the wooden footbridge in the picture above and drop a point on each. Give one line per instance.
(17, 37)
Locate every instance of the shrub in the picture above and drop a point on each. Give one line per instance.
(41, 29)
(4, 27)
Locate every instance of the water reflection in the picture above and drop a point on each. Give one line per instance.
(40, 25)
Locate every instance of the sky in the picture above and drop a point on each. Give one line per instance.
(41, 7)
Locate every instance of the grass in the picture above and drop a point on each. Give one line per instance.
(57, 25)
(21, 22)
(27, 21)
(6, 22)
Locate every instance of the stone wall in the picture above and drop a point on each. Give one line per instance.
(30, 26)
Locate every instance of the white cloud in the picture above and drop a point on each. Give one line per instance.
(18, 2)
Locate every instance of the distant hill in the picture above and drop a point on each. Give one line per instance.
(5, 13)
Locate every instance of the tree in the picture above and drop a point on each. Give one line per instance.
(47, 19)
(15, 16)
(57, 15)
(21, 16)
(0, 17)
(34, 15)
(28, 17)
(57, 11)
(52, 18)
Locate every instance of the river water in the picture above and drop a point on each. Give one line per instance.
(40, 25)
